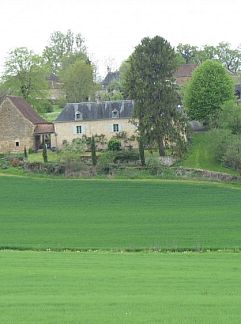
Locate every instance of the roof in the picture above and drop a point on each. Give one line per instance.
(110, 77)
(96, 110)
(185, 70)
(26, 110)
(44, 128)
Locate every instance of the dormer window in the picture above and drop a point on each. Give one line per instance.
(78, 115)
(115, 113)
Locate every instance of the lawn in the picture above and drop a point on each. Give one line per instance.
(95, 287)
(201, 156)
(118, 214)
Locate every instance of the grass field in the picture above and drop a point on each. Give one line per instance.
(100, 214)
(64, 287)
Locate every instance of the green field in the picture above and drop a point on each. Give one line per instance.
(104, 214)
(89, 287)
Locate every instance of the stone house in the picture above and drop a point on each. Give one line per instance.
(106, 118)
(21, 126)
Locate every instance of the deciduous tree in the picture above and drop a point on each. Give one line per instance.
(208, 89)
(25, 75)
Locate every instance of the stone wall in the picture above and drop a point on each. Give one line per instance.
(66, 131)
(15, 130)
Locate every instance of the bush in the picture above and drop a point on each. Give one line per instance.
(126, 156)
(232, 155)
(154, 166)
(104, 162)
(114, 144)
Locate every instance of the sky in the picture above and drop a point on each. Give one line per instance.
(112, 28)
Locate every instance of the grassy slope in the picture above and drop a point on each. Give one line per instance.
(37, 213)
(201, 155)
(120, 288)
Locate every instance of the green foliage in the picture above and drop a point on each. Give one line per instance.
(72, 151)
(114, 144)
(230, 117)
(154, 166)
(205, 151)
(126, 156)
(226, 148)
(232, 155)
(105, 161)
(61, 47)
(78, 81)
(187, 52)
(207, 91)
(25, 75)
(149, 81)
(223, 53)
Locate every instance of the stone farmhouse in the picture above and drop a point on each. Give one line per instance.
(21, 126)
(106, 118)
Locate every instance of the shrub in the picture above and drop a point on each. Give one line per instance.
(114, 144)
(154, 166)
(232, 155)
(126, 156)
(104, 162)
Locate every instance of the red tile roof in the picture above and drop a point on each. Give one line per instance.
(27, 111)
(44, 129)
(185, 70)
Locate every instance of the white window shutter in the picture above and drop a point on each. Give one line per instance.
(74, 130)
(83, 129)
(120, 128)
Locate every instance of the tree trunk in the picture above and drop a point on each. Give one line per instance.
(142, 152)
(161, 148)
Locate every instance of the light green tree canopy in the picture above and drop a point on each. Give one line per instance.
(25, 75)
(78, 81)
(209, 88)
(62, 46)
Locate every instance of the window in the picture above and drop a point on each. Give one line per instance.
(115, 113)
(78, 115)
(116, 128)
(78, 129)
(17, 144)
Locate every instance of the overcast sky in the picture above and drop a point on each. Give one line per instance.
(112, 28)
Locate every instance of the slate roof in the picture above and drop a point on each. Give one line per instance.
(96, 110)
(110, 77)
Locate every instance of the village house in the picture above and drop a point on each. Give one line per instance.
(21, 126)
(106, 118)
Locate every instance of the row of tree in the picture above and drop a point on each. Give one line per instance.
(26, 73)
(223, 53)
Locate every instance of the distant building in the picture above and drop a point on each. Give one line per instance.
(56, 90)
(94, 118)
(109, 78)
(184, 73)
(21, 126)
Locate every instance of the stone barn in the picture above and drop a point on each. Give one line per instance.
(21, 126)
